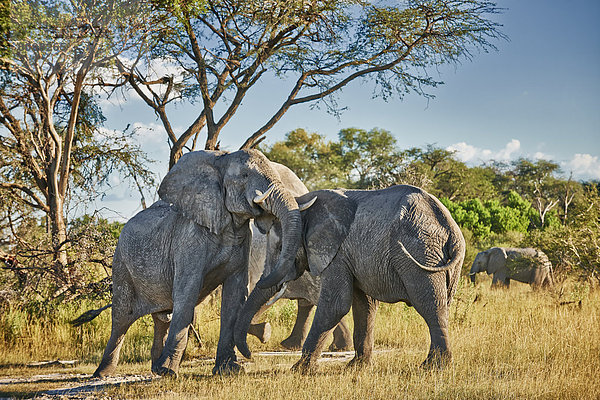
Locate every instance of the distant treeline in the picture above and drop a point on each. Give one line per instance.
(521, 203)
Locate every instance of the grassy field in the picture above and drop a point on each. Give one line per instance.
(507, 344)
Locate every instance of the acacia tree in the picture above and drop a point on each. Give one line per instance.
(371, 158)
(224, 47)
(536, 181)
(52, 54)
(312, 157)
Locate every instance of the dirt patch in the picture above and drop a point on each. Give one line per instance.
(83, 386)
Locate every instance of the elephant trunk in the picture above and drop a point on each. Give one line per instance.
(473, 272)
(286, 210)
(284, 207)
(256, 300)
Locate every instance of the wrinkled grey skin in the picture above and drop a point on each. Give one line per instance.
(527, 265)
(391, 245)
(305, 290)
(170, 256)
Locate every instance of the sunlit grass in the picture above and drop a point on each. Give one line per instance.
(513, 343)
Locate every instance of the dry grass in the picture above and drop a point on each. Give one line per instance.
(506, 343)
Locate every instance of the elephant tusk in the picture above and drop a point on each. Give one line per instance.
(306, 205)
(260, 197)
(277, 295)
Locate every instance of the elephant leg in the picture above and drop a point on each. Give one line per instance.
(428, 295)
(540, 278)
(262, 331)
(161, 328)
(364, 309)
(334, 302)
(300, 329)
(185, 295)
(547, 279)
(233, 297)
(123, 316)
(110, 358)
(342, 338)
(500, 280)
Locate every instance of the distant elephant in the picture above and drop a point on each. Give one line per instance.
(391, 245)
(170, 256)
(527, 265)
(304, 289)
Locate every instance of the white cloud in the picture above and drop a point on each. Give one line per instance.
(154, 70)
(150, 133)
(463, 151)
(538, 155)
(471, 154)
(507, 152)
(583, 166)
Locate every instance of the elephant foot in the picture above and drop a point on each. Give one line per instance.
(339, 346)
(437, 361)
(305, 366)
(231, 367)
(103, 372)
(359, 362)
(292, 343)
(342, 338)
(99, 375)
(164, 371)
(262, 331)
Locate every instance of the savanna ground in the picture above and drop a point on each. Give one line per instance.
(507, 344)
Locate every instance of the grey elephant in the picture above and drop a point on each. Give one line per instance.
(527, 265)
(305, 290)
(391, 245)
(170, 256)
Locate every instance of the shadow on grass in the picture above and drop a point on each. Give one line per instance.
(75, 385)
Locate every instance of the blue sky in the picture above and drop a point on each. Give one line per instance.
(537, 97)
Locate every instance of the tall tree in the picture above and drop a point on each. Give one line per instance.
(224, 47)
(311, 156)
(535, 180)
(52, 54)
(371, 158)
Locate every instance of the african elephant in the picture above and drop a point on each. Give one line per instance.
(305, 290)
(527, 265)
(170, 256)
(394, 244)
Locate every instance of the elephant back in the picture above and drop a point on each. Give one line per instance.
(526, 258)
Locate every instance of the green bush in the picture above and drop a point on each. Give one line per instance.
(12, 325)
(491, 217)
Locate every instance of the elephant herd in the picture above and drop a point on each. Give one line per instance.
(240, 221)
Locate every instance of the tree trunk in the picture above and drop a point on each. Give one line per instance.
(58, 231)
(176, 153)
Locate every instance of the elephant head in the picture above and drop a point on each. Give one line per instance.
(326, 217)
(490, 261)
(222, 191)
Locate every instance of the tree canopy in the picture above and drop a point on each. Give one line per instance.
(221, 49)
(51, 145)
(523, 203)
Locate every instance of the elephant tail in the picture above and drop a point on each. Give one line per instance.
(457, 254)
(89, 315)
(451, 268)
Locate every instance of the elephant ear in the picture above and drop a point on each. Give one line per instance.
(326, 225)
(496, 260)
(195, 188)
